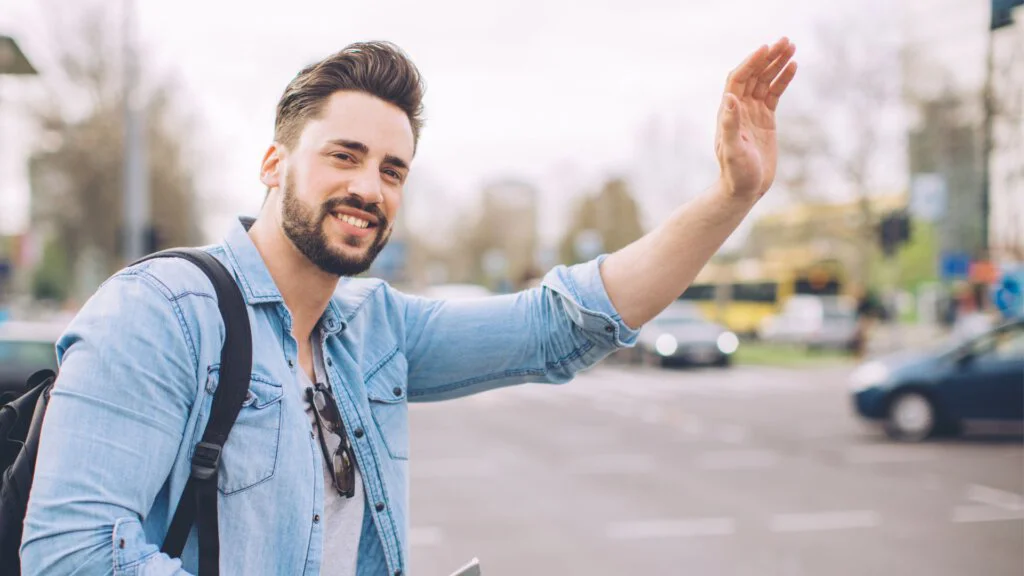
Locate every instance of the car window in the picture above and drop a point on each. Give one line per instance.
(1007, 345)
(21, 353)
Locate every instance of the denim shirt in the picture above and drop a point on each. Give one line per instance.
(139, 365)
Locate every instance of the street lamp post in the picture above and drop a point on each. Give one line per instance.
(136, 174)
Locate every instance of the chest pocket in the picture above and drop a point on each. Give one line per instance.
(250, 454)
(386, 389)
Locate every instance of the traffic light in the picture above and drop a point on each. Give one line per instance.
(1002, 12)
(893, 231)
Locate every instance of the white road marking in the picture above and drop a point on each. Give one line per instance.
(733, 434)
(737, 460)
(613, 464)
(453, 468)
(994, 497)
(683, 528)
(888, 454)
(984, 513)
(821, 521)
(425, 536)
(651, 415)
(691, 425)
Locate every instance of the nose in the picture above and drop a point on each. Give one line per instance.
(366, 185)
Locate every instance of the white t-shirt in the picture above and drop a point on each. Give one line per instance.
(342, 517)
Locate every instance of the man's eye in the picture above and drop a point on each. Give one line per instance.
(342, 156)
(394, 175)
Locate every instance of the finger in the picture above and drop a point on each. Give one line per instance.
(779, 86)
(765, 79)
(746, 70)
(773, 54)
(729, 125)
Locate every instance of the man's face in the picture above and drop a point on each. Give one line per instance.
(341, 183)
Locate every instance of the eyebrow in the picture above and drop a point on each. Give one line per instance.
(356, 146)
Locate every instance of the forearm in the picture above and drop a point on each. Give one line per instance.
(646, 276)
(543, 334)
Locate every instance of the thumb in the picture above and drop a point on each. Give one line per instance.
(730, 120)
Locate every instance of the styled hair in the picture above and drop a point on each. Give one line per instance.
(380, 69)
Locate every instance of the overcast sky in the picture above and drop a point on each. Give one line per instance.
(555, 91)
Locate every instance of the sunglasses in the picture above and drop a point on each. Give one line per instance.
(328, 417)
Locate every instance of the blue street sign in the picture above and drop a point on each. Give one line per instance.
(1009, 295)
(954, 266)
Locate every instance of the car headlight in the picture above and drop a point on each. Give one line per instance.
(868, 375)
(728, 342)
(666, 345)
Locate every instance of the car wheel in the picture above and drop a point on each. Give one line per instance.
(911, 417)
(724, 361)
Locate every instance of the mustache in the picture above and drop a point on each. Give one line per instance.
(354, 201)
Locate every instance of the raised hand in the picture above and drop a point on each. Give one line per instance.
(745, 143)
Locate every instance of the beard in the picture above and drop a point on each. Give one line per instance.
(304, 226)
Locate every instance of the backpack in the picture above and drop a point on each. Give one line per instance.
(21, 420)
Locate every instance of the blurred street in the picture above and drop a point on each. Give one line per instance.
(751, 470)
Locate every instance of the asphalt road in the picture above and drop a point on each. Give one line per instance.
(712, 472)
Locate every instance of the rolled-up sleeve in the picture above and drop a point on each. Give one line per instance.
(545, 334)
(588, 301)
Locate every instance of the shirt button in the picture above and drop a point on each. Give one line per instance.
(291, 363)
(359, 432)
(398, 573)
(312, 434)
(609, 329)
(316, 518)
(379, 506)
(397, 391)
(329, 362)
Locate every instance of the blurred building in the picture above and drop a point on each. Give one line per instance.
(602, 223)
(805, 233)
(498, 250)
(945, 73)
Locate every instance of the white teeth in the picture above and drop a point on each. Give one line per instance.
(357, 222)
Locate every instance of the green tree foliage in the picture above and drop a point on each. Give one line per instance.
(612, 213)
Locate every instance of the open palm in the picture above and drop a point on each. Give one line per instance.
(745, 143)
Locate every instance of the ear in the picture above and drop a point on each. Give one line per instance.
(270, 169)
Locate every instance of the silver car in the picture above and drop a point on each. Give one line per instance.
(681, 335)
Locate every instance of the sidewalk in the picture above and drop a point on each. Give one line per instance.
(895, 337)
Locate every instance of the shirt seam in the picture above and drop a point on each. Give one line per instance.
(251, 294)
(383, 485)
(362, 302)
(159, 286)
(574, 355)
(381, 363)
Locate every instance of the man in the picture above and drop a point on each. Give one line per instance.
(314, 476)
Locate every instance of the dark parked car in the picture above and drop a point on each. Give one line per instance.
(681, 335)
(25, 347)
(979, 383)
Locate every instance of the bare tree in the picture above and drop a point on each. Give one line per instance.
(77, 169)
(841, 147)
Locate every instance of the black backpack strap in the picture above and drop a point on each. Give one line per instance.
(199, 499)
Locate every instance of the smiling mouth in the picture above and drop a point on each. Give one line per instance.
(354, 221)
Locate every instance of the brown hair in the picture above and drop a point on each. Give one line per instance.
(379, 69)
